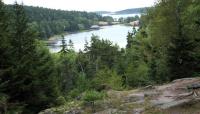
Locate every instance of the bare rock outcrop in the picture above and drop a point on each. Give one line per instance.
(167, 96)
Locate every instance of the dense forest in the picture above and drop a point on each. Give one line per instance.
(102, 12)
(126, 11)
(166, 47)
(49, 22)
(132, 11)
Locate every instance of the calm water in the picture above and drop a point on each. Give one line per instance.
(116, 34)
(116, 17)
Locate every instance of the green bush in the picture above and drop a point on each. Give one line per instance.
(82, 83)
(137, 75)
(108, 78)
(60, 100)
(74, 93)
(9, 108)
(91, 96)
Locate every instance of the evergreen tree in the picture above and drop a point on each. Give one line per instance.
(71, 45)
(130, 38)
(44, 86)
(181, 62)
(63, 45)
(23, 49)
(4, 41)
(5, 57)
(25, 84)
(173, 36)
(67, 67)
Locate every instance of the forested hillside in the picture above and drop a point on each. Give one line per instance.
(132, 11)
(126, 11)
(102, 12)
(166, 47)
(49, 22)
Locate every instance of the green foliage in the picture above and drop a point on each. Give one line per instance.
(131, 19)
(5, 53)
(64, 45)
(108, 19)
(166, 47)
(173, 38)
(67, 73)
(60, 101)
(74, 93)
(46, 82)
(82, 83)
(103, 51)
(137, 75)
(91, 96)
(131, 38)
(50, 22)
(167, 43)
(128, 19)
(66, 67)
(28, 79)
(107, 78)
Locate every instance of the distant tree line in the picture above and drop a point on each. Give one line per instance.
(129, 19)
(49, 22)
(133, 11)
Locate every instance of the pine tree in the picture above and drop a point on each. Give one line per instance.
(181, 62)
(4, 41)
(71, 45)
(130, 38)
(44, 86)
(63, 45)
(5, 57)
(31, 80)
(86, 46)
(23, 49)
(67, 66)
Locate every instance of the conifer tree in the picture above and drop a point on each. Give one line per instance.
(31, 80)
(4, 40)
(71, 45)
(67, 66)
(5, 57)
(181, 62)
(63, 45)
(23, 48)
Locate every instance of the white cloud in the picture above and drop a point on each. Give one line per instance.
(87, 5)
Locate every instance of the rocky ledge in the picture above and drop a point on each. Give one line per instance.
(181, 96)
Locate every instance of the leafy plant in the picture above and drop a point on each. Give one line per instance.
(91, 96)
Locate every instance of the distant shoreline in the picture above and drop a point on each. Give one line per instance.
(54, 38)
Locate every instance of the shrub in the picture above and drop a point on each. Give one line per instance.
(91, 96)
(108, 78)
(60, 100)
(74, 93)
(137, 75)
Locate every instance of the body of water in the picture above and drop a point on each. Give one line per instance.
(116, 33)
(116, 17)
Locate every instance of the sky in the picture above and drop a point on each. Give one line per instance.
(86, 5)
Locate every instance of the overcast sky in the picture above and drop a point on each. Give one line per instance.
(87, 5)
